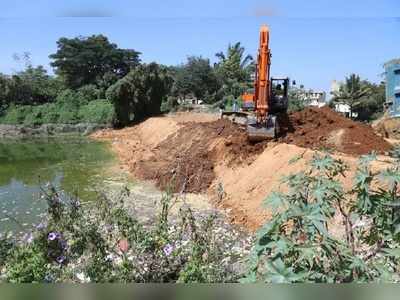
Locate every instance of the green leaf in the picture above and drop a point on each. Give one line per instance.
(392, 252)
(274, 201)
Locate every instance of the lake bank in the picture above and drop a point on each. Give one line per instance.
(49, 130)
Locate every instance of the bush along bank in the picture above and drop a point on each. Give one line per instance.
(109, 245)
(77, 112)
(48, 130)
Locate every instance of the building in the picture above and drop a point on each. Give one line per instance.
(314, 98)
(310, 97)
(341, 108)
(392, 73)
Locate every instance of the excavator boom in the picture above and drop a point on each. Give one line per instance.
(270, 97)
(263, 125)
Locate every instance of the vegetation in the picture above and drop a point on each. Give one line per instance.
(234, 71)
(95, 81)
(109, 245)
(303, 242)
(81, 61)
(140, 93)
(362, 97)
(295, 101)
(195, 78)
(299, 244)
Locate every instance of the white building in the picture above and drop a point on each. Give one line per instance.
(341, 107)
(314, 98)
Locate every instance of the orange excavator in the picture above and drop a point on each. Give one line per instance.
(268, 99)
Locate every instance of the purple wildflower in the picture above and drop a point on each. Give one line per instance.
(28, 238)
(61, 259)
(52, 236)
(168, 249)
(40, 226)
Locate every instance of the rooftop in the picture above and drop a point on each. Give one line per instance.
(392, 62)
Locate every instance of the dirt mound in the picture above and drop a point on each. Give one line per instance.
(388, 127)
(196, 153)
(185, 160)
(319, 128)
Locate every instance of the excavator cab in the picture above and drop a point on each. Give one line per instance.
(279, 95)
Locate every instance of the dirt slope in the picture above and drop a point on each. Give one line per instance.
(201, 154)
(319, 128)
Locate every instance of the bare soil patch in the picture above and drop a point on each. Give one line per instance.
(199, 153)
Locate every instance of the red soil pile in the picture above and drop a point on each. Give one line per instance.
(185, 160)
(319, 128)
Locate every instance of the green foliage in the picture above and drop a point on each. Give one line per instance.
(6, 245)
(233, 70)
(87, 60)
(372, 106)
(97, 112)
(67, 110)
(196, 77)
(26, 265)
(351, 93)
(234, 65)
(31, 86)
(295, 102)
(140, 93)
(109, 245)
(297, 245)
(170, 105)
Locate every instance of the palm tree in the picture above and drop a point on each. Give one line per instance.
(351, 92)
(234, 64)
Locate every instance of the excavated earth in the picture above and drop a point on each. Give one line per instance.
(200, 153)
(322, 128)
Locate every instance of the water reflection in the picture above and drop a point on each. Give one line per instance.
(74, 165)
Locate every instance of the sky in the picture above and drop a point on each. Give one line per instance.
(312, 42)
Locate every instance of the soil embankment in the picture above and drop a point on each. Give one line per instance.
(198, 153)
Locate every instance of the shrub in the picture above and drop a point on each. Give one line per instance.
(296, 245)
(169, 105)
(26, 265)
(63, 112)
(15, 114)
(97, 111)
(140, 93)
(110, 245)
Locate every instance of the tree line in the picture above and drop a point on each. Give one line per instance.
(96, 81)
(364, 98)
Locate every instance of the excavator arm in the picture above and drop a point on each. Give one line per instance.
(259, 108)
(262, 81)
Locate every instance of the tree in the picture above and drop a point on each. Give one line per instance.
(372, 106)
(86, 60)
(195, 77)
(31, 86)
(234, 70)
(140, 93)
(351, 93)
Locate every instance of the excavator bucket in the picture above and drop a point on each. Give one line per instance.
(257, 132)
(237, 117)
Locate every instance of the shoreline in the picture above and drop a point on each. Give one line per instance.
(47, 130)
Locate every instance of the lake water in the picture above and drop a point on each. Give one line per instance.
(73, 165)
